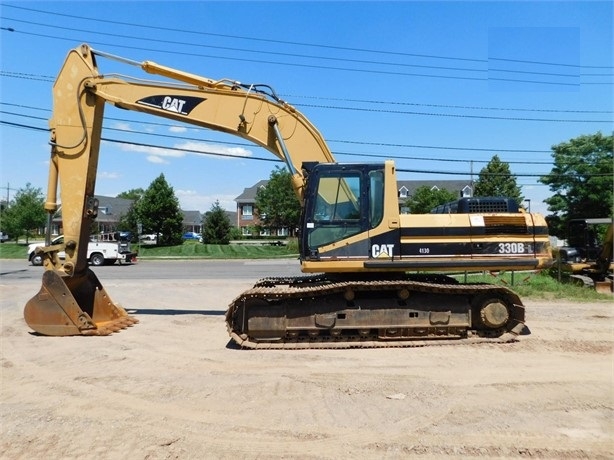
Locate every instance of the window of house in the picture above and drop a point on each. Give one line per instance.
(403, 192)
(247, 212)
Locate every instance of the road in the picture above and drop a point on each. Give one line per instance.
(168, 269)
(171, 387)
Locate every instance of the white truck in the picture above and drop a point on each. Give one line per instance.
(101, 250)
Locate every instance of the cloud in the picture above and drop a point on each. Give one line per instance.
(178, 129)
(160, 154)
(156, 159)
(192, 200)
(155, 155)
(122, 126)
(215, 148)
(107, 175)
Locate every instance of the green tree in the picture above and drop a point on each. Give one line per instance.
(133, 194)
(581, 179)
(9, 223)
(425, 198)
(158, 210)
(217, 228)
(26, 212)
(276, 204)
(496, 179)
(130, 220)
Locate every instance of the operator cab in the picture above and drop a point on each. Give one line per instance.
(342, 200)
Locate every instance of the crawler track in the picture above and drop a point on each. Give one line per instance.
(317, 312)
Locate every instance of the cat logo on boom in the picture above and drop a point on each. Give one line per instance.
(173, 104)
(182, 105)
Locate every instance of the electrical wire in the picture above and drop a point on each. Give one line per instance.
(302, 44)
(200, 152)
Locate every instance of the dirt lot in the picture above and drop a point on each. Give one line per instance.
(170, 387)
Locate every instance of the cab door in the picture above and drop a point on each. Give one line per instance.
(336, 208)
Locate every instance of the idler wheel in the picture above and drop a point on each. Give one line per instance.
(494, 313)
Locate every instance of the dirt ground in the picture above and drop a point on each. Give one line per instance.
(171, 387)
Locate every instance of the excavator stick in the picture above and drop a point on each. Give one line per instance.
(76, 305)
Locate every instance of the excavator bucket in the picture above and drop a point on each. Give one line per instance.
(76, 305)
(605, 287)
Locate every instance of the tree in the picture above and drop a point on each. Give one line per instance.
(426, 198)
(130, 220)
(581, 180)
(25, 213)
(216, 226)
(495, 179)
(133, 194)
(276, 204)
(158, 211)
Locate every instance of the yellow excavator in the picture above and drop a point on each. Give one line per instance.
(587, 259)
(373, 277)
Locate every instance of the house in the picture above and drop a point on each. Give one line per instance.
(112, 209)
(192, 221)
(247, 217)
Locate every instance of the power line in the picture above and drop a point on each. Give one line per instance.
(447, 106)
(201, 152)
(49, 78)
(295, 55)
(286, 64)
(483, 117)
(268, 52)
(398, 112)
(294, 64)
(377, 144)
(314, 66)
(302, 44)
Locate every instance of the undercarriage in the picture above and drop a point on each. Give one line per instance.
(320, 312)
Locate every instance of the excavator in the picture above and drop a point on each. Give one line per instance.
(587, 259)
(372, 277)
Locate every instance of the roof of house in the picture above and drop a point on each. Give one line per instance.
(111, 209)
(192, 217)
(249, 193)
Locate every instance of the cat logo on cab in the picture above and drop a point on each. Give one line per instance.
(382, 250)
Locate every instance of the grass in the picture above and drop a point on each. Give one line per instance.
(191, 249)
(187, 250)
(12, 250)
(536, 286)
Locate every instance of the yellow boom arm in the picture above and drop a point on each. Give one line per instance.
(80, 93)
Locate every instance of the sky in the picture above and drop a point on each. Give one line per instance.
(439, 87)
